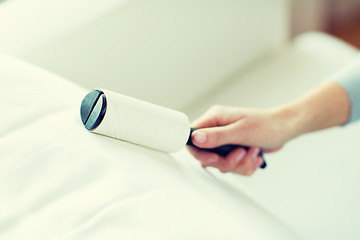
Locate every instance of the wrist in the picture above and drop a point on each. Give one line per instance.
(323, 107)
(292, 121)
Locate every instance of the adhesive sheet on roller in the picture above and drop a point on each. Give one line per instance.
(143, 123)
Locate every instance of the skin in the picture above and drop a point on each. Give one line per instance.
(325, 106)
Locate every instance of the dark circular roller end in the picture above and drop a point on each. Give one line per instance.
(93, 109)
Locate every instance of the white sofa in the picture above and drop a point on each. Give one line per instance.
(59, 181)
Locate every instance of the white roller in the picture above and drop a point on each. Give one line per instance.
(143, 123)
(122, 117)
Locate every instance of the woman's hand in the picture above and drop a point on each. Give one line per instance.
(325, 106)
(260, 129)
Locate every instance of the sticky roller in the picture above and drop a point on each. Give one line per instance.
(142, 123)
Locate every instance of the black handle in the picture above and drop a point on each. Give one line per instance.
(222, 150)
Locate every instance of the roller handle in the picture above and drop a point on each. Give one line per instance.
(223, 150)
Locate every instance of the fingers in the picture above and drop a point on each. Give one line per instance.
(216, 136)
(216, 116)
(229, 163)
(238, 161)
(208, 119)
(251, 162)
(205, 158)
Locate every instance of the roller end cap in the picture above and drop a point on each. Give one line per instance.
(93, 109)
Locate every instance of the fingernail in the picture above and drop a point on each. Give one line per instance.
(199, 137)
(255, 153)
(259, 163)
(240, 156)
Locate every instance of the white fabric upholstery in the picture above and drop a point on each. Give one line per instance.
(59, 181)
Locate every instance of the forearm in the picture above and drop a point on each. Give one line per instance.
(325, 106)
(333, 103)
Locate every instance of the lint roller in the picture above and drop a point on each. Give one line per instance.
(132, 120)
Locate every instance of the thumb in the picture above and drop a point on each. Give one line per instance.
(216, 136)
